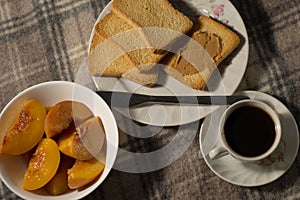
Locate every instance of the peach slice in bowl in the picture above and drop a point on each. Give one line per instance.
(17, 117)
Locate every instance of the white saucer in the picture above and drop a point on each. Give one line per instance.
(238, 173)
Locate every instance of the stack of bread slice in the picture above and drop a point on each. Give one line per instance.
(123, 24)
(122, 48)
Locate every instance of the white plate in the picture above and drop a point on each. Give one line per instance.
(172, 115)
(236, 172)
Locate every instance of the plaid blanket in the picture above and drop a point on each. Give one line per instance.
(43, 40)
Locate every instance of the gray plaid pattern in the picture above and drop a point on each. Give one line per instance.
(42, 40)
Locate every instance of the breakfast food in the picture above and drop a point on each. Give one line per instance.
(152, 13)
(216, 39)
(218, 42)
(59, 183)
(132, 62)
(115, 65)
(57, 160)
(89, 133)
(83, 172)
(114, 28)
(121, 48)
(62, 114)
(42, 165)
(26, 131)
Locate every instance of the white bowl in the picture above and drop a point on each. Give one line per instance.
(12, 168)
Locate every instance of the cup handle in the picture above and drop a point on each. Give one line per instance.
(218, 151)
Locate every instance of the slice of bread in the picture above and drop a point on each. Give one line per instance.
(115, 67)
(152, 13)
(111, 26)
(122, 66)
(229, 39)
(216, 39)
(110, 29)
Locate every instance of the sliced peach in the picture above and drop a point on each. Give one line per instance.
(59, 183)
(62, 114)
(85, 141)
(42, 165)
(84, 172)
(27, 130)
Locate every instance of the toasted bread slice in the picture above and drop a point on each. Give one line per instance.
(114, 67)
(229, 39)
(122, 66)
(111, 26)
(107, 30)
(216, 39)
(152, 13)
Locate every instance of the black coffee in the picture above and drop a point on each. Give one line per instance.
(249, 131)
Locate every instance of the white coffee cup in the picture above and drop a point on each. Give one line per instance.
(250, 130)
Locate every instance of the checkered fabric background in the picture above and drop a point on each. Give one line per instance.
(43, 40)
